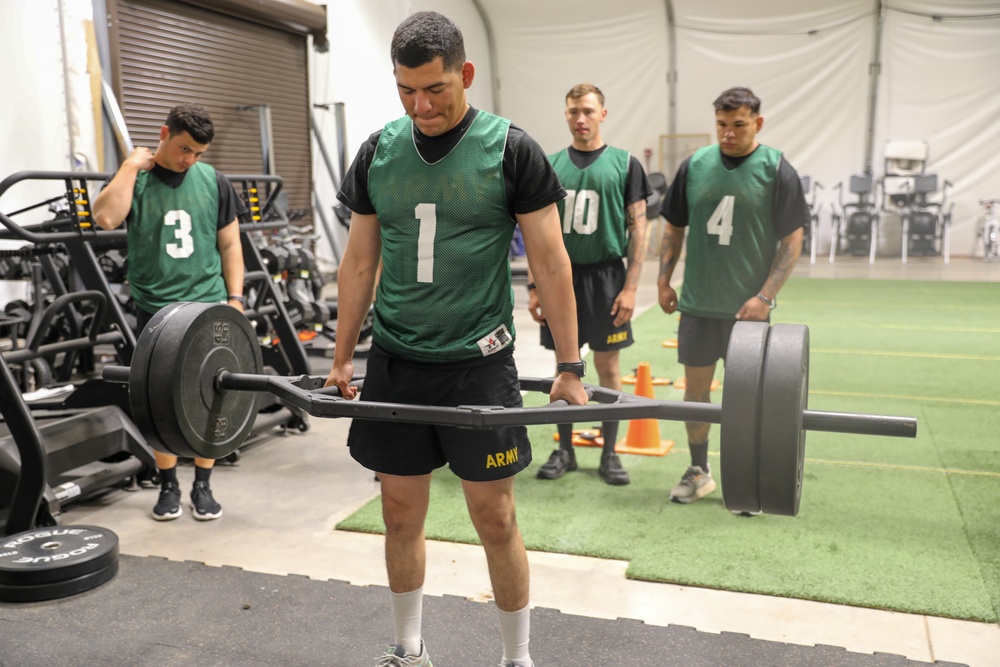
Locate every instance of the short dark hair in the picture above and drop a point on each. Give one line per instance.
(192, 119)
(422, 37)
(734, 98)
(579, 90)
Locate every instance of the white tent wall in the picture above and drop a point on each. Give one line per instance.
(620, 47)
(34, 121)
(809, 61)
(940, 84)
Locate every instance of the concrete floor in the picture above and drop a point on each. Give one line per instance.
(286, 494)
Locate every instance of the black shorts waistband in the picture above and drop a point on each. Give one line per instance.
(597, 266)
(445, 365)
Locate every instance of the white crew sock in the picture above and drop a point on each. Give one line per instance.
(515, 629)
(407, 616)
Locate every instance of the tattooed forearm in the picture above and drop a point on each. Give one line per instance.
(635, 216)
(670, 250)
(784, 261)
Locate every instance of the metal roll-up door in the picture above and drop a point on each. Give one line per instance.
(167, 52)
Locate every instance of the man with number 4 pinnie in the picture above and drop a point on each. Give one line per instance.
(183, 245)
(744, 211)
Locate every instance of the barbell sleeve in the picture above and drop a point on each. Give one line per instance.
(859, 424)
(115, 374)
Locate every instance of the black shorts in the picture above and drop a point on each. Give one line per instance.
(400, 448)
(596, 287)
(702, 341)
(142, 318)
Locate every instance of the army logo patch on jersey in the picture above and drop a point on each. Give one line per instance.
(494, 342)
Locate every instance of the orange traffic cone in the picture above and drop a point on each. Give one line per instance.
(644, 434)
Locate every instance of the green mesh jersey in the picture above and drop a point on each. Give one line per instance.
(593, 214)
(445, 292)
(173, 252)
(730, 239)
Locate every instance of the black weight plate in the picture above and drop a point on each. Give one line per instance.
(784, 397)
(58, 589)
(739, 430)
(189, 413)
(139, 379)
(48, 557)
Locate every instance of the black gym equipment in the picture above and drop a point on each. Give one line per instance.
(926, 224)
(55, 451)
(40, 560)
(655, 201)
(88, 441)
(296, 277)
(811, 230)
(764, 422)
(855, 224)
(49, 563)
(85, 441)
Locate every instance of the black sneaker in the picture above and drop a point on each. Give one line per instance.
(203, 505)
(611, 470)
(560, 461)
(169, 504)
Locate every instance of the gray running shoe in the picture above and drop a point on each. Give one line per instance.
(694, 485)
(560, 462)
(394, 656)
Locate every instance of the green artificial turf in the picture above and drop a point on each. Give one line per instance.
(905, 524)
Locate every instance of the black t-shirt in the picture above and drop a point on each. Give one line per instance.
(530, 181)
(636, 186)
(790, 209)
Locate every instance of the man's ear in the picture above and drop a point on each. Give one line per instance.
(468, 74)
(164, 132)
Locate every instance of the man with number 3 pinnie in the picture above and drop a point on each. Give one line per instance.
(183, 245)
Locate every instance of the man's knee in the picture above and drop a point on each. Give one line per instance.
(496, 523)
(608, 368)
(404, 503)
(698, 383)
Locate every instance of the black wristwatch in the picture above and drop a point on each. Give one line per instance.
(579, 368)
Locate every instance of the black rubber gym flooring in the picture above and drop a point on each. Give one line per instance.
(157, 612)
